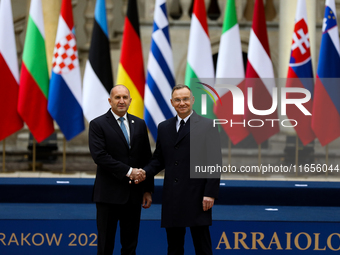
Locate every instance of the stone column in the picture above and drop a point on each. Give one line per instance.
(51, 11)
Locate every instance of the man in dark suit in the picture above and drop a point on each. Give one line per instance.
(183, 142)
(119, 144)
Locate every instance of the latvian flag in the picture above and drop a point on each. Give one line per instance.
(260, 78)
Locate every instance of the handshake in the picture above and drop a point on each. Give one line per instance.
(137, 175)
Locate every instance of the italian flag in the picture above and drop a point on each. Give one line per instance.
(230, 70)
(200, 67)
(34, 80)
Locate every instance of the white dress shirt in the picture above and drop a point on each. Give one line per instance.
(126, 123)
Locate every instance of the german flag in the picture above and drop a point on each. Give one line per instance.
(131, 66)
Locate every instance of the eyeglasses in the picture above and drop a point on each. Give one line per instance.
(178, 100)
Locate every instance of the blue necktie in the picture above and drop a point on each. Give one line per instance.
(122, 126)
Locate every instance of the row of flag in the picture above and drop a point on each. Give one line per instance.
(38, 101)
(324, 123)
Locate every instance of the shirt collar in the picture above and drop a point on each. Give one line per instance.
(185, 119)
(117, 117)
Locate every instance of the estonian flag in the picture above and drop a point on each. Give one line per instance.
(98, 80)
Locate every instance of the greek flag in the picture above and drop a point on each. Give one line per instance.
(160, 76)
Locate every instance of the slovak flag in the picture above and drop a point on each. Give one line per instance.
(300, 74)
(326, 105)
(65, 95)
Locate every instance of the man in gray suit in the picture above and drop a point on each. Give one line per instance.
(183, 142)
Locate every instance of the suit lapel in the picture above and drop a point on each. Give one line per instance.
(189, 126)
(172, 128)
(194, 119)
(114, 124)
(131, 127)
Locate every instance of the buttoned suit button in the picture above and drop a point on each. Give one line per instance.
(176, 179)
(176, 163)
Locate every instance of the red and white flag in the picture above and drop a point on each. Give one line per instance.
(260, 78)
(9, 73)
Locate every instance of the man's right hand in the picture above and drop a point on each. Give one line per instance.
(137, 175)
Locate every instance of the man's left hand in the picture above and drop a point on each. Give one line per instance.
(208, 203)
(147, 200)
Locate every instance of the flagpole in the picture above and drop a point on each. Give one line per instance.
(296, 154)
(259, 158)
(33, 155)
(229, 151)
(64, 155)
(4, 155)
(327, 159)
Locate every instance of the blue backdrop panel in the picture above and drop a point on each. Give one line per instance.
(232, 192)
(228, 237)
(71, 229)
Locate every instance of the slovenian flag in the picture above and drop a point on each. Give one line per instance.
(230, 69)
(9, 73)
(98, 80)
(65, 96)
(300, 74)
(326, 105)
(260, 77)
(34, 79)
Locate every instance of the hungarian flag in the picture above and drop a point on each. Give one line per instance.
(34, 80)
(199, 74)
(98, 80)
(9, 73)
(65, 97)
(300, 74)
(230, 70)
(131, 66)
(260, 78)
(326, 104)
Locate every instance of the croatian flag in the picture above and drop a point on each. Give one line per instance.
(300, 74)
(65, 96)
(326, 105)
